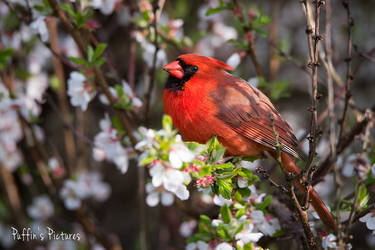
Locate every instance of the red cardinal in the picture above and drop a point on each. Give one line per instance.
(205, 100)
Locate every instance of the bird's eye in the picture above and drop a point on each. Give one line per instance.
(195, 68)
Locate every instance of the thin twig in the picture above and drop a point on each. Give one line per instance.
(302, 214)
(274, 60)
(148, 94)
(364, 54)
(349, 76)
(313, 40)
(61, 92)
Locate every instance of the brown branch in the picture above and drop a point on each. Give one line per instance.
(313, 40)
(132, 48)
(12, 195)
(364, 54)
(274, 60)
(61, 93)
(148, 95)
(348, 60)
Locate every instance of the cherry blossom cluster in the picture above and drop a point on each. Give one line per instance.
(174, 164)
(86, 185)
(109, 146)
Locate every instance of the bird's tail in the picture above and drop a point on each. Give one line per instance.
(319, 206)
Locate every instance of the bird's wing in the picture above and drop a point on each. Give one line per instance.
(249, 112)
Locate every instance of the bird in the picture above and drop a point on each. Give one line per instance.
(204, 100)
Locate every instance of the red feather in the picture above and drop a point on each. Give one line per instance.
(214, 102)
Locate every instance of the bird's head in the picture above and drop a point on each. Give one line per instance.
(188, 65)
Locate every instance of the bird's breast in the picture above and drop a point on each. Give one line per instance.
(191, 114)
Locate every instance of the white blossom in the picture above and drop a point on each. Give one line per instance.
(6, 238)
(91, 185)
(224, 246)
(179, 153)
(199, 245)
(254, 81)
(80, 93)
(134, 100)
(369, 219)
(242, 182)
(234, 60)
(108, 146)
(172, 180)
(154, 196)
(149, 50)
(105, 6)
(87, 185)
(70, 194)
(265, 225)
(216, 222)
(62, 244)
(187, 228)
(247, 235)
(219, 200)
(249, 165)
(148, 139)
(39, 26)
(329, 241)
(10, 131)
(41, 208)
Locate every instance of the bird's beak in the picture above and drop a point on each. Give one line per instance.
(174, 69)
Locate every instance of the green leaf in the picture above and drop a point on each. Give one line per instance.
(239, 213)
(117, 124)
(244, 172)
(239, 44)
(99, 50)
(148, 160)
(77, 60)
(240, 228)
(100, 61)
(245, 192)
(264, 20)
(5, 54)
(214, 10)
(68, 8)
(248, 246)
(278, 233)
(225, 214)
(205, 219)
(238, 196)
(363, 196)
(146, 16)
(217, 154)
(222, 231)
(251, 158)
(225, 187)
(167, 123)
(261, 32)
(265, 203)
(90, 54)
(215, 150)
